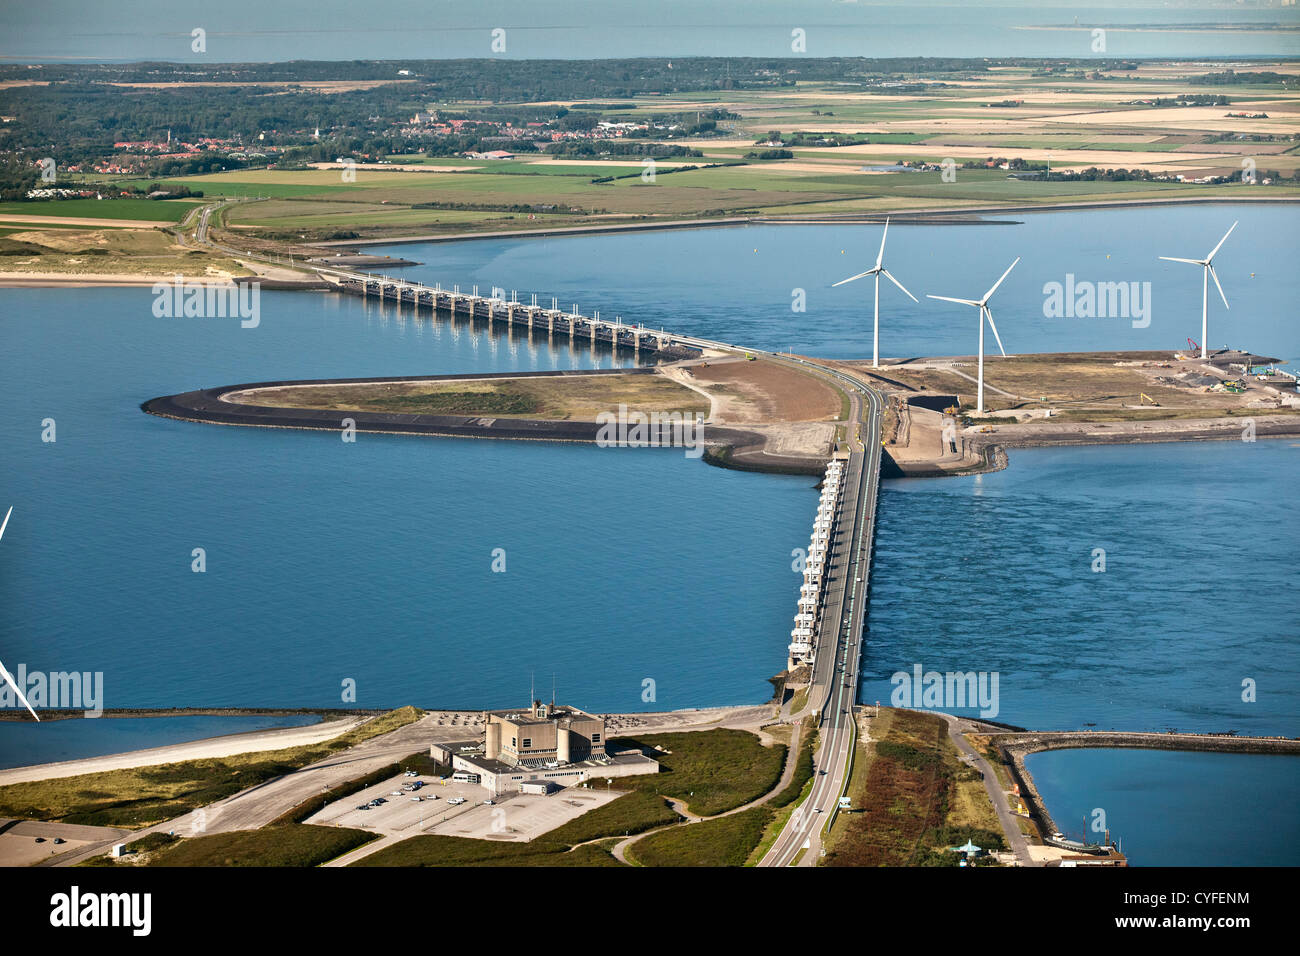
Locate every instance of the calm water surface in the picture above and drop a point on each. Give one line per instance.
(372, 561)
(1177, 809)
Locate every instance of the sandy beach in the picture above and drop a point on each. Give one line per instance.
(227, 746)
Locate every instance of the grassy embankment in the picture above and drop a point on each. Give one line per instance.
(285, 845)
(789, 800)
(912, 798)
(143, 796)
(56, 243)
(739, 839)
(569, 397)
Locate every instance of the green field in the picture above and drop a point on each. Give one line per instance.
(289, 845)
(430, 850)
(316, 205)
(631, 813)
(712, 771)
(725, 841)
(152, 210)
(1058, 111)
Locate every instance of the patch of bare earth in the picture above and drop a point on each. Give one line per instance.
(756, 393)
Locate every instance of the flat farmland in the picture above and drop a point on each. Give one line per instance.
(1071, 121)
(139, 210)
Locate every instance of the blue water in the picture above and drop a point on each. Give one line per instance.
(1177, 809)
(993, 573)
(328, 561)
(371, 561)
(23, 744)
(242, 30)
(738, 284)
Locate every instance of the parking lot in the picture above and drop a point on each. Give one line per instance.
(512, 816)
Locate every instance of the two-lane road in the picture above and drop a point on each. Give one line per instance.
(835, 672)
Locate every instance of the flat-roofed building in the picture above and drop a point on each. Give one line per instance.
(544, 734)
(544, 743)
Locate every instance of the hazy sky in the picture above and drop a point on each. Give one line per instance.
(395, 29)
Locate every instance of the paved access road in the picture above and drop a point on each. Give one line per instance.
(835, 673)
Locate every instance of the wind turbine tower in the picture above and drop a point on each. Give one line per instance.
(1207, 265)
(985, 312)
(877, 270)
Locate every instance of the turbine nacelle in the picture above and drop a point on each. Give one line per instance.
(985, 313)
(1208, 265)
(877, 271)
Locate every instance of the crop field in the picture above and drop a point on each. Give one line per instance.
(1070, 122)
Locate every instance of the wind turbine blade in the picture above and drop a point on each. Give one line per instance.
(880, 256)
(1221, 242)
(947, 299)
(887, 275)
(5, 524)
(1194, 262)
(852, 278)
(996, 338)
(989, 294)
(1215, 277)
(14, 684)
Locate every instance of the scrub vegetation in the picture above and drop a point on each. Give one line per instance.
(142, 796)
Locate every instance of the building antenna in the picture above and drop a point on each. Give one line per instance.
(552, 690)
(532, 687)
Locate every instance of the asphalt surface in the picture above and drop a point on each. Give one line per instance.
(835, 672)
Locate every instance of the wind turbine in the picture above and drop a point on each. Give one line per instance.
(983, 306)
(877, 270)
(1205, 283)
(4, 673)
